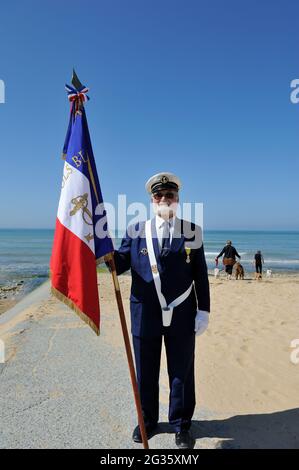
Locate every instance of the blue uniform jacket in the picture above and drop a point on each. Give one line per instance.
(176, 276)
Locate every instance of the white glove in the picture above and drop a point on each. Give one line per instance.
(201, 322)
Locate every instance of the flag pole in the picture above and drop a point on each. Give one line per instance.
(110, 259)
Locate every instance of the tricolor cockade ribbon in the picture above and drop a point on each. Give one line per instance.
(77, 96)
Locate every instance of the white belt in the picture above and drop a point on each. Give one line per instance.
(167, 310)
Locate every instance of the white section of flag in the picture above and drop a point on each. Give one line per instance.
(74, 186)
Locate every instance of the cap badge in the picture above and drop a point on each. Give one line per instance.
(164, 179)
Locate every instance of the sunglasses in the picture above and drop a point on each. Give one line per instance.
(168, 195)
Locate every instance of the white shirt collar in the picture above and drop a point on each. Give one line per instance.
(160, 221)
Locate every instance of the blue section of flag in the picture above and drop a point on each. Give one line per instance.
(79, 154)
(68, 135)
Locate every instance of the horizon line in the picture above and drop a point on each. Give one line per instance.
(204, 229)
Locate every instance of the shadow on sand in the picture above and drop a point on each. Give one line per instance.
(279, 430)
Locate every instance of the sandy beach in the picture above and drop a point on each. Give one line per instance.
(10, 295)
(6, 305)
(243, 360)
(247, 386)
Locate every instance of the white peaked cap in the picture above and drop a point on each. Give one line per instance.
(163, 181)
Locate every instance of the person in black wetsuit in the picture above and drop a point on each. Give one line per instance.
(259, 260)
(228, 251)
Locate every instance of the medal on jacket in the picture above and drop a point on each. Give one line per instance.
(188, 251)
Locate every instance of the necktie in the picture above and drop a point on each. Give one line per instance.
(166, 239)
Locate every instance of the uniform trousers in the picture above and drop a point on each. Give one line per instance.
(180, 366)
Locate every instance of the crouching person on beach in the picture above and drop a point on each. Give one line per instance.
(169, 298)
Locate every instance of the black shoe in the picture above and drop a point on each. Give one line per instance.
(184, 440)
(149, 432)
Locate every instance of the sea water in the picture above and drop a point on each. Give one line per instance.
(25, 254)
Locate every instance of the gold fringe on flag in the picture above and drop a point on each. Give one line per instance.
(74, 307)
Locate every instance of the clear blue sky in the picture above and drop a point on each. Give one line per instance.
(200, 88)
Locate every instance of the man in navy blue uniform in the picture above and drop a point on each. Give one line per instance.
(169, 298)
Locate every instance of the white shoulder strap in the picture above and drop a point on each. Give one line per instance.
(167, 310)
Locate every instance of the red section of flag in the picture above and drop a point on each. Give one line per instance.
(74, 275)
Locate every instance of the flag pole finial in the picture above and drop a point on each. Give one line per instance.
(76, 82)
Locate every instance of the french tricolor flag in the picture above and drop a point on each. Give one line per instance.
(81, 237)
